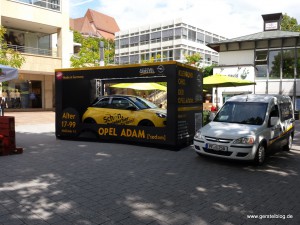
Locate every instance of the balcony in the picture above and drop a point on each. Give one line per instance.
(49, 4)
(34, 51)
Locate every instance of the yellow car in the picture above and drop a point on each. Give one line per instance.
(125, 110)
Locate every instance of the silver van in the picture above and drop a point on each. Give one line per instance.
(247, 127)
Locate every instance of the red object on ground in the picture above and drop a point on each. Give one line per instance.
(8, 136)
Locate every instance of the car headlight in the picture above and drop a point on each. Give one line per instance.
(245, 140)
(161, 115)
(198, 135)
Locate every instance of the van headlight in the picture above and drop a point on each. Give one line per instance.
(245, 140)
(161, 115)
(198, 135)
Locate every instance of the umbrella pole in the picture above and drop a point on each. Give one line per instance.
(217, 98)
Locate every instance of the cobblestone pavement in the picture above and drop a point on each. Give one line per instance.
(68, 182)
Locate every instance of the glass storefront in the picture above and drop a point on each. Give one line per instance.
(22, 94)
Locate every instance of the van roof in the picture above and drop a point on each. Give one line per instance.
(259, 98)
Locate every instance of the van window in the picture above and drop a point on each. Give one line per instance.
(286, 111)
(252, 113)
(273, 113)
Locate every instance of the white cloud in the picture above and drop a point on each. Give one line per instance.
(229, 18)
(75, 3)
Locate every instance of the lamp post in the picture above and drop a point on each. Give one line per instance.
(101, 47)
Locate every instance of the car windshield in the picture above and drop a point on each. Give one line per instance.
(242, 112)
(142, 103)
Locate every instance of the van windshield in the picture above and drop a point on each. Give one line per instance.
(252, 113)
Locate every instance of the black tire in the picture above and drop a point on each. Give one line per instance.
(260, 155)
(89, 120)
(288, 146)
(146, 123)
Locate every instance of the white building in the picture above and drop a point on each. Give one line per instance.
(170, 39)
(39, 30)
(271, 58)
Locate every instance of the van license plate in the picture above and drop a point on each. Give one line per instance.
(216, 147)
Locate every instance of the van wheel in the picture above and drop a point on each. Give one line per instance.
(288, 146)
(260, 155)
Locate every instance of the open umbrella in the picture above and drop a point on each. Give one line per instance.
(140, 86)
(8, 73)
(219, 80)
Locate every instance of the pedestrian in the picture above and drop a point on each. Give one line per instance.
(2, 105)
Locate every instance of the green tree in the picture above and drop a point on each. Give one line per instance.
(193, 60)
(89, 54)
(289, 24)
(9, 56)
(208, 70)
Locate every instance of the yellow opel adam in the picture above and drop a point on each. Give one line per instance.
(125, 110)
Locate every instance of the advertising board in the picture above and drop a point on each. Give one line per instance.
(89, 107)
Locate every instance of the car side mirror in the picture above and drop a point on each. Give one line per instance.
(274, 121)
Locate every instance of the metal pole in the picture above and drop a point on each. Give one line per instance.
(101, 47)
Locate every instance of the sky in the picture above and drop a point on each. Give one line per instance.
(227, 18)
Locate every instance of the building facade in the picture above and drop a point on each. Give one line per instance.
(271, 58)
(39, 30)
(169, 40)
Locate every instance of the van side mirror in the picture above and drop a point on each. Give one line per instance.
(274, 121)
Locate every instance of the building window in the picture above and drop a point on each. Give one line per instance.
(200, 38)
(177, 33)
(298, 64)
(192, 35)
(261, 71)
(156, 37)
(124, 43)
(274, 63)
(167, 35)
(208, 39)
(184, 33)
(144, 39)
(50, 4)
(261, 63)
(134, 41)
(288, 63)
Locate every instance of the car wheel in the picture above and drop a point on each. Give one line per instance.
(89, 120)
(288, 146)
(146, 123)
(260, 155)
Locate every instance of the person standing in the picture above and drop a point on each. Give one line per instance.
(2, 105)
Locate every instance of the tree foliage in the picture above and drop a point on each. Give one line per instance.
(193, 60)
(289, 24)
(208, 70)
(89, 54)
(9, 56)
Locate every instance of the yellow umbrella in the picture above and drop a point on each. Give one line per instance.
(140, 86)
(219, 80)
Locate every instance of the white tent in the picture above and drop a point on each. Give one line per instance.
(8, 73)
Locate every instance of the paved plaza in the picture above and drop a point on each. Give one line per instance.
(72, 182)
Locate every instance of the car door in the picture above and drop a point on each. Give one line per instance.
(286, 116)
(120, 112)
(276, 130)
